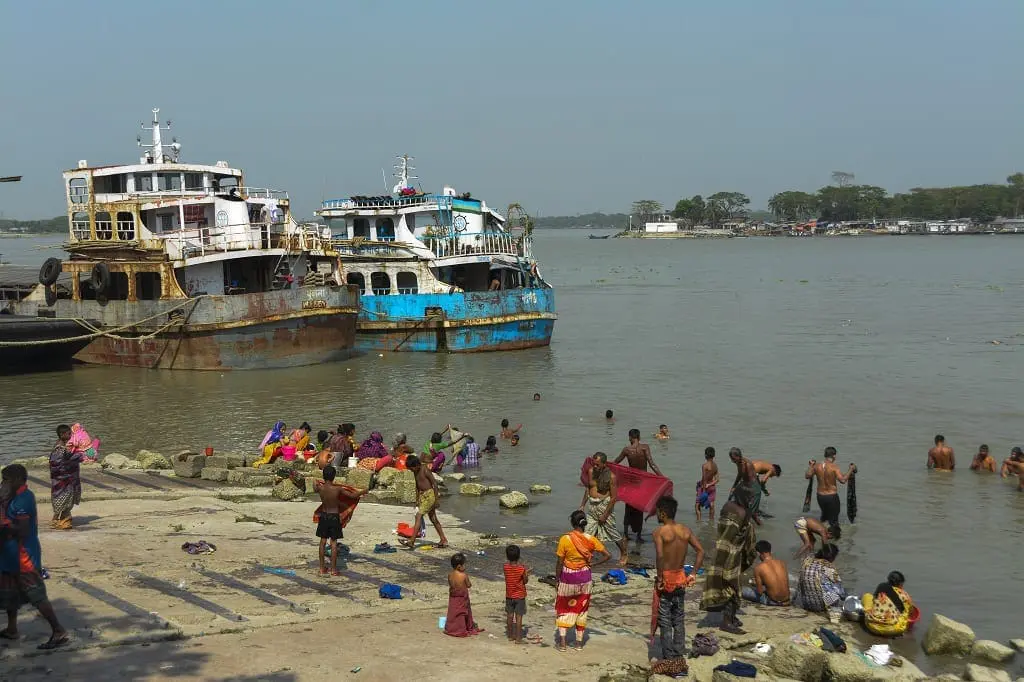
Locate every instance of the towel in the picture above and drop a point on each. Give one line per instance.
(739, 669)
(880, 654)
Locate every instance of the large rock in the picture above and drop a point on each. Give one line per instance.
(116, 461)
(152, 460)
(286, 490)
(235, 461)
(538, 488)
(472, 489)
(33, 462)
(214, 474)
(979, 673)
(457, 477)
(946, 636)
(800, 662)
(994, 652)
(405, 490)
(257, 481)
(386, 477)
(1017, 644)
(188, 465)
(382, 495)
(849, 667)
(514, 500)
(359, 478)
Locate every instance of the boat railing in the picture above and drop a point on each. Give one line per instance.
(204, 241)
(385, 202)
(203, 192)
(358, 247)
(480, 243)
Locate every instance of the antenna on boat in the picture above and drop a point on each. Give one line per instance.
(402, 172)
(155, 153)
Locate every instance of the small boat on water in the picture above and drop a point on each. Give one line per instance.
(594, 236)
(440, 272)
(177, 265)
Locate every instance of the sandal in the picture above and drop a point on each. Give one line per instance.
(54, 642)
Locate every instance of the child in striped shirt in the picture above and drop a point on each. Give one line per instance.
(516, 577)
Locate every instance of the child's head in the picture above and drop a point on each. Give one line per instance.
(504, 423)
(512, 553)
(322, 436)
(412, 463)
(329, 473)
(458, 561)
(515, 439)
(536, 396)
(608, 414)
(435, 437)
(492, 441)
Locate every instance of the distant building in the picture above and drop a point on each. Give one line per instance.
(661, 227)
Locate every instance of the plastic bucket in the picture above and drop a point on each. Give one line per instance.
(915, 615)
(288, 453)
(209, 452)
(353, 462)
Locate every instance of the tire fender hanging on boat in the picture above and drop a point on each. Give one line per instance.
(50, 271)
(51, 295)
(100, 278)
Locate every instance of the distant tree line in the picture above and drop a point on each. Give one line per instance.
(53, 225)
(596, 220)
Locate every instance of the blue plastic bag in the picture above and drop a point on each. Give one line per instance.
(390, 591)
(616, 576)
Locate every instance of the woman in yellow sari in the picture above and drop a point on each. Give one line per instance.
(271, 445)
(887, 611)
(575, 553)
(300, 437)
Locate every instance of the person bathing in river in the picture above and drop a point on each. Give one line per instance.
(507, 432)
(808, 528)
(639, 457)
(941, 456)
(672, 541)
(434, 450)
(469, 456)
(983, 461)
(514, 441)
(887, 611)
(707, 485)
(828, 474)
(491, 448)
(662, 433)
(763, 471)
(342, 446)
(1014, 466)
(300, 437)
(271, 445)
(771, 580)
(746, 478)
(599, 502)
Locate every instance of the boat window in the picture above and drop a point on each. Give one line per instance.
(361, 228)
(193, 181)
(385, 229)
(357, 279)
(110, 184)
(380, 283)
(104, 229)
(125, 226)
(80, 225)
(147, 286)
(168, 181)
(118, 290)
(78, 190)
(143, 182)
(224, 183)
(407, 283)
(166, 222)
(256, 216)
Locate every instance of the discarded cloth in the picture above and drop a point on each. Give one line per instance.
(807, 638)
(833, 640)
(201, 547)
(738, 668)
(390, 591)
(880, 654)
(672, 667)
(616, 576)
(704, 644)
(763, 648)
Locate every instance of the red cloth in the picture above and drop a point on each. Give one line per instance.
(514, 587)
(459, 622)
(639, 489)
(346, 505)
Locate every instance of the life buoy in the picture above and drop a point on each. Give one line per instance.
(51, 295)
(100, 278)
(50, 271)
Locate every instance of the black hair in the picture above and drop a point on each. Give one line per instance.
(348, 429)
(830, 452)
(512, 552)
(306, 427)
(322, 436)
(668, 505)
(470, 439)
(458, 559)
(634, 433)
(983, 447)
(709, 452)
(536, 396)
(412, 461)
(828, 552)
(504, 423)
(491, 441)
(435, 437)
(896, 579)
(601, 457)
(329, 473)
(578, 520)
(778, 469)
(940, 439)
(835, 532)
(514, 438)
(608, 414)
(17, 472)
(663, 426)
(763, 547)
(63, 430)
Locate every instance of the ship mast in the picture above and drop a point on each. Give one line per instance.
(155, 151)
(402, 171)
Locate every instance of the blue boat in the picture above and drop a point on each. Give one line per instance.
(439, 272)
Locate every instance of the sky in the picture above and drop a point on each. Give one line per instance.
(565, 107)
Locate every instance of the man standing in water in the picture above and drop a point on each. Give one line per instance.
(828, 474)
(599, 501)
(941, 456)
(671, 543)
(1014, 465)
(983, 461)
(427, 498)
(639, 456)
(708, 484)
(746, 478)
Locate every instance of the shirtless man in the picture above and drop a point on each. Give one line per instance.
(807, 528)
(599, 501)
(506, 432)
(983, 461)
(329, 527)
(639, 456)
(1014, 465)
(427, 500)
(671, 543)
(707, 485)
(771, 580)
(828, 474)
(763, 470)
(662, 433)
(941, 456)
(745, 477)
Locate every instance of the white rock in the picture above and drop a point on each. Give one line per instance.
(537, 488)
(979, 673)
(116, 461)
(987, 650)
(514, 500)
(1017, 644)
(946, 636)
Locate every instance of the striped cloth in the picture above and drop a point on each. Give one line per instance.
(734, 553)
(573, 598)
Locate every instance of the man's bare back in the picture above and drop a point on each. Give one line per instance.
(671, 542)
(638, 455)
(827, 472)
(771, 577)
(425, 479)
(329, 496)
(941, 457)
(709, 473)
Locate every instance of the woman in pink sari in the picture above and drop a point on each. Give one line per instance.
(82, 444)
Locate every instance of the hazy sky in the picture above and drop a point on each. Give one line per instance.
(563, 106)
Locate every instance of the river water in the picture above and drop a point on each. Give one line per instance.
(778, 346)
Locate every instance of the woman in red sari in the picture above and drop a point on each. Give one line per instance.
(575, 553)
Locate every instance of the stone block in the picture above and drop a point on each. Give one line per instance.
(217, 461)
(190, 467)
(286, 490)
(458, 478)
(235, 461)
(405, 491)
(472, 489)
(497, 489)
(117, 461)
(849, 667)
(993, 652)
(797, 661)
(381, 495)
(152, 460)
(214, 474)
(238, 477)
(257, 481)
(538, 488)
(386, 477)
(514, 500)
(979, 673)
(359, 478)
(946, 636)
(33, 462)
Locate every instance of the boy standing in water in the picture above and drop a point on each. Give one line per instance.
(516, 577)
(707, 485)
(506, 431)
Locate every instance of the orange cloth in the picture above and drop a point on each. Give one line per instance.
(676, 579)
(575, 549)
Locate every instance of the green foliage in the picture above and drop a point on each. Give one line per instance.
(51, 226)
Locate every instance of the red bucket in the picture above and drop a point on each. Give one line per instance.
(209, 452)
(915, 615)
